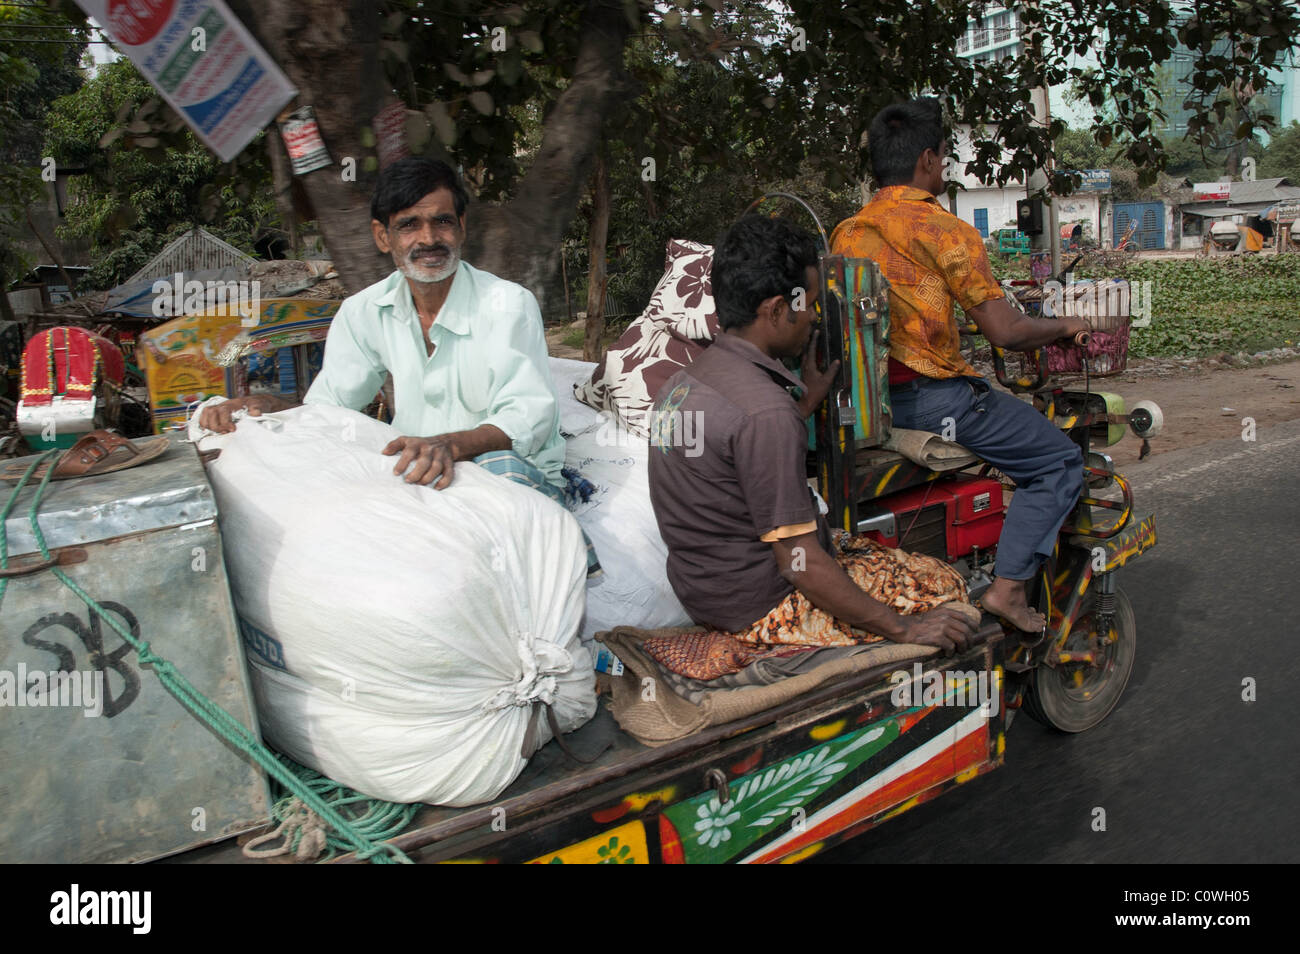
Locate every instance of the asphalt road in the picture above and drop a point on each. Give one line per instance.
(1185, 769)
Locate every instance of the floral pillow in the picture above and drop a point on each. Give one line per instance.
(672, 332)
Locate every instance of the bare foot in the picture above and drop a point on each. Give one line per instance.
(1006, 599)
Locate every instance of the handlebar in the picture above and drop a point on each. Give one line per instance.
(1039, 359)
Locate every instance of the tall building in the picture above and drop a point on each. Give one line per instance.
(1280, 98)
(995, 36)
(998, 34)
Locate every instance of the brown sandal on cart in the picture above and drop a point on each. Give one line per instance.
(98, 452)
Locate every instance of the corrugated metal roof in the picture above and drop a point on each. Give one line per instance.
(196, 250)
(1247, 198)
(1211, 211)
(1259, 190)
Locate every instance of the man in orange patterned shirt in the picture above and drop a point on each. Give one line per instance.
(933, 260)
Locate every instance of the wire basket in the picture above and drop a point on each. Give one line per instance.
(1107, 306)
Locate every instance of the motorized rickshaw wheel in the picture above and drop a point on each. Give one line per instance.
(1075, 696)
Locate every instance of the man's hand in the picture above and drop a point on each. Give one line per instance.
(1075, 326)
(430, 459)
(944, 627)
(816, 384)
(217, 417)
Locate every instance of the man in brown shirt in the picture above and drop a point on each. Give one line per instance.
(727, 455)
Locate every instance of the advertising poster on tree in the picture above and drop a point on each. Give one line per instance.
(302, 140)
(203, 61)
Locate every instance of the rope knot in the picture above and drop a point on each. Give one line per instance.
(303, 831)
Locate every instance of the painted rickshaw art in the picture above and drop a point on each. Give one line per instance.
(192, 358)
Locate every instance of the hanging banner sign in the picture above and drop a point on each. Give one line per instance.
(1287, 212)
(1095, 180)
(1211, 190)
(204, 63)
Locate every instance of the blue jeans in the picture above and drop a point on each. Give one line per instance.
(1046, 466)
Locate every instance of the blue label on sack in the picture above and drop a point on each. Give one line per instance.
(262, 645)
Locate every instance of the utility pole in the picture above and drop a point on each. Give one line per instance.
(1040, 180)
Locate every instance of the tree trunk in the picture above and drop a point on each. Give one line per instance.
(282, 183)
(6, 307)
(520, 240)
(597, 280)
(330, 51)
(58, 262)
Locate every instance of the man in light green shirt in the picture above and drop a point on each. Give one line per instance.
(466, 349)
(488, 366)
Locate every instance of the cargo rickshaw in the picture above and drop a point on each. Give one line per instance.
(793, 780)
(788, 783)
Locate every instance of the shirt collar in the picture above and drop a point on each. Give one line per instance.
(454, 314)
(738, 346)
(902, 193)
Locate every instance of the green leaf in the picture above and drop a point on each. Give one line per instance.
(443, 125)
(531, 41)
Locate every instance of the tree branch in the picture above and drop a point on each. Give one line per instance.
(520, 240)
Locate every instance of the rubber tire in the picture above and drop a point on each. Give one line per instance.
(1052, 698)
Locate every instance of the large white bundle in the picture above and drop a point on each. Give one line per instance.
(401, 639)
(634, 589)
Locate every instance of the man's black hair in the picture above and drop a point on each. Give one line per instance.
(409, 180)
(898, 136)
(757, 258)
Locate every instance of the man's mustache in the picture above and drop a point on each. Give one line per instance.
(428, 250)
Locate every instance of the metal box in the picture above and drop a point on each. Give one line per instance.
(142, 778)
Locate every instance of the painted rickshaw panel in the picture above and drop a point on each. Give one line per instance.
(796, 784)
(181, 358)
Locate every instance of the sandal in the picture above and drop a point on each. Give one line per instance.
(97, 452)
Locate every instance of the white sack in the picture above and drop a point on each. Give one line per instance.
(415, 631)
(634, 589)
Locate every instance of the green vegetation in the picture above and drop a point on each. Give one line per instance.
(1009, 267)
(135, 200)
(1204, 307)
(32, 74)
(1282, 157)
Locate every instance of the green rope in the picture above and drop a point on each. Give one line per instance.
(350, 836)
(371, 817)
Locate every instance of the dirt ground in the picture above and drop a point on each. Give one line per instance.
(555, 340)
(1203, 404)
